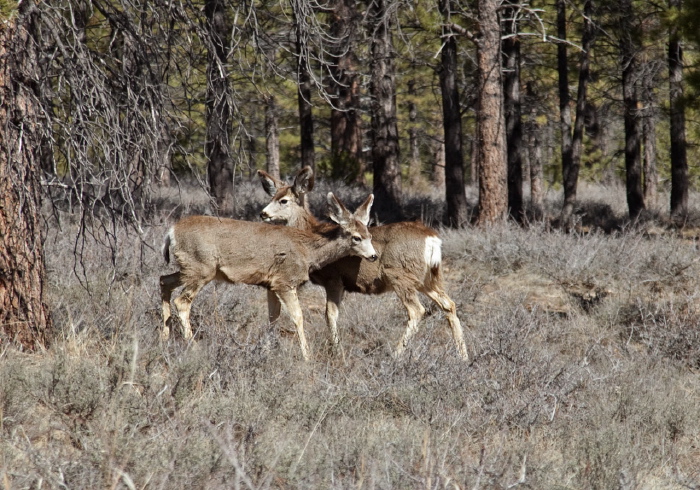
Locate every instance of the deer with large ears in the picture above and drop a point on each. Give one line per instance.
(409, 262)
(278, 258)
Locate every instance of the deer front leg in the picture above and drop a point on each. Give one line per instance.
(334, 295)
(290, 300)
(168, 284)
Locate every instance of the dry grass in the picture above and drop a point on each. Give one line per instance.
(584, 352)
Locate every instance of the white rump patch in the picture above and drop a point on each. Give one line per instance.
(433, 251)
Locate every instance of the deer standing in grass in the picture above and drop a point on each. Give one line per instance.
(278, 258)
(410, 260)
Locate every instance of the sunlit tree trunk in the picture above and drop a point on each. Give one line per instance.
(649, 142)
(24, 315)
(219, 109)
(490, 136)
(272, 137)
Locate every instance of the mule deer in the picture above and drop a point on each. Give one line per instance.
(279, 258)
(410, 260)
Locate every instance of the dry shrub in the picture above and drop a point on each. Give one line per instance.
(588, 382)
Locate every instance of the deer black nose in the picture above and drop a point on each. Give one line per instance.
(263, 215)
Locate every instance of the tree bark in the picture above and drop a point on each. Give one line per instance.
(512, 104)
(306, 120)
(535, 156)
(219, 109)
(679, 159)
(24, 316)
(587, 40)
(414, 162)
(490, 136)
(455, 195)
(633, 123)
(272, 137)
(569, 172)
(385, 134)
(649, 142)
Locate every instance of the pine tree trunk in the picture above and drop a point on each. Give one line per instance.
(219, 112)
(414, 162)
(24, 315)
(306, 120)
(679, 160)
(492, 158)
(587, 40)
(569, 173)
(633, 123)
(272, 138)
(535, 156)
(344, 86)
(649, 137)
(385, 135)
(512, 104)
(455, 195)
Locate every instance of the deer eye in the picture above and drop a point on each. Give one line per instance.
(284, 201)
(356, 239)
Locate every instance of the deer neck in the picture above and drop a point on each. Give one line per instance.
(327, 248)
(305, 220)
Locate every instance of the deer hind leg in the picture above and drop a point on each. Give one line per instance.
(415, 314)
(290, 300)
(448, 306)
(334, 295)
(274, 306)
(183, 304)
(168, 284)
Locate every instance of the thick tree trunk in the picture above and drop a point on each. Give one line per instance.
(344, 86)
(24, 315)
(633, 123)
(569, 172)
(306, 120)
(455, 195)
(512, 104)
(491, 140)
(272, 137)
(219, 110)
(385, 134)
(679, 160)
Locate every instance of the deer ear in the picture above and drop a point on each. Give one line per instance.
(362, 213)
(304, 181)
(269, 183)
(336, 211)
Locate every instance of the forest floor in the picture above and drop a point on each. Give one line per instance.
(583, 372)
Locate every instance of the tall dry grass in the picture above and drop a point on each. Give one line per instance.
(584, 350)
